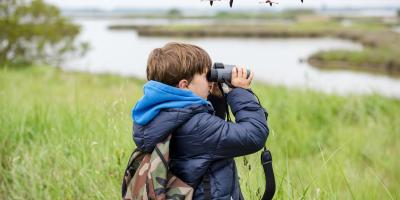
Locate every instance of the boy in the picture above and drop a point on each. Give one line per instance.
(202, 144)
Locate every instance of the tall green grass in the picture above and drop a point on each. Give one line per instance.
(68, 136)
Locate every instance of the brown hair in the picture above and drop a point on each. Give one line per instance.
(177, 61)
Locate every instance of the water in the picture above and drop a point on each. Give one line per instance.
(275, 61)
(397, 29)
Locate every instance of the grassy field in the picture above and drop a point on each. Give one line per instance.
(68, 136)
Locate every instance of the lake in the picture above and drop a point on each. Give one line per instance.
(275, 61)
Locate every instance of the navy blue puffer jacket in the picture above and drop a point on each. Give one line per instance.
(204, 143)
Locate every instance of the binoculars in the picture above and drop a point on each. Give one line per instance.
(222, 73)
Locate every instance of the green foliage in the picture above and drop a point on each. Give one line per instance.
(174, 13)
(68, 136)
(35, 32)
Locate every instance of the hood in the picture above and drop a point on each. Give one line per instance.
(158, 96)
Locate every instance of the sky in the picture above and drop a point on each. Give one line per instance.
(199, 4)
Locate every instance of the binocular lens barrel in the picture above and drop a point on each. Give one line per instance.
(222, 73)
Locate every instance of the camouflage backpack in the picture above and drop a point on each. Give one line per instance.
(147, 177)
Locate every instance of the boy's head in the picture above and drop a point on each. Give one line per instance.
(180, 65)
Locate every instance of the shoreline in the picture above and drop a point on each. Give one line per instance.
(380, 53)
(383, 69)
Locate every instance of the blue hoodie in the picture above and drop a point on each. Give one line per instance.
(159, 96)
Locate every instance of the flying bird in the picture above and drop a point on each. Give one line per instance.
(211, 1)
(269, 2)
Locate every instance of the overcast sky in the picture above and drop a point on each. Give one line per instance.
(198, 4)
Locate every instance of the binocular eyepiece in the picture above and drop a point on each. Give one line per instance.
(221, 73)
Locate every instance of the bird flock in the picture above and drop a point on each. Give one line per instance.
(261, 2)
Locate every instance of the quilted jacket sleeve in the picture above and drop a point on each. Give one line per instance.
(246, 136)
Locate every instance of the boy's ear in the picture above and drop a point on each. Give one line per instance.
(183, 84)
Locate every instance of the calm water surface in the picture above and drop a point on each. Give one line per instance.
(275, 61)
(397, 29)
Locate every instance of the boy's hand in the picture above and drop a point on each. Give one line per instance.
(239, 77)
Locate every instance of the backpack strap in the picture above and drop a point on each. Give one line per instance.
(131, 167)
(162, 157)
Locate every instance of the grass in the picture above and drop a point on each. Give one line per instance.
(67, 135)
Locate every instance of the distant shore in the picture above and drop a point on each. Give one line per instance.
(381, 53)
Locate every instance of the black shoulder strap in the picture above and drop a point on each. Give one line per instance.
(266, 161)
(228, 116)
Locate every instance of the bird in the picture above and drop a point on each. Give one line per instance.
(211, 1)
(269, 2)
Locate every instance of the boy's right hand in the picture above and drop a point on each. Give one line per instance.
(239, 77)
